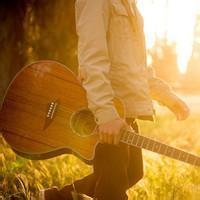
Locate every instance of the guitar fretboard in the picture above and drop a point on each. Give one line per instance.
(134, 139)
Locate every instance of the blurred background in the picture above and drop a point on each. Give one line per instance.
(172, 29)
(45, 29)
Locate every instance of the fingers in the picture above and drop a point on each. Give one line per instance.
(116, 139)
(183, 115)
(186, 112)
(109, 137)
(110, 132)
(100, 136)
(106, 137)
(103, 135)
(180, 109)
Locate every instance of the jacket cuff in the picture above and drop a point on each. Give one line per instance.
(105, 115)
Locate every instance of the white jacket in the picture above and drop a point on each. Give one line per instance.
(112, 59)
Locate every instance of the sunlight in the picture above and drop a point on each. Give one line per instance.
(173, 19)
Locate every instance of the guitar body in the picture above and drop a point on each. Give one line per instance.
(44, 113)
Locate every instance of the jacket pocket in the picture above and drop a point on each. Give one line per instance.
(120, 22)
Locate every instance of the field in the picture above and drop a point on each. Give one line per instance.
(164, 178)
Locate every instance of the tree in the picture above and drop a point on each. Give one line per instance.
(32, 30)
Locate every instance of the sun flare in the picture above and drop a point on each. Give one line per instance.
(173, 19)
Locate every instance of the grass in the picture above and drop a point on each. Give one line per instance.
(164, 178)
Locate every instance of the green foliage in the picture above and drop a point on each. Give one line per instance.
(164, 178)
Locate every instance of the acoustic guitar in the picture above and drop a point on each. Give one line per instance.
(44, 114)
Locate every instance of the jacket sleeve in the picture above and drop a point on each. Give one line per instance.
(92, 19)
(160, 90)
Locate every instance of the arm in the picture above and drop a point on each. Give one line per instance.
(163, 94)
(92, 18)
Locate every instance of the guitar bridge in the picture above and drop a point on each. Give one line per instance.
(51, 111)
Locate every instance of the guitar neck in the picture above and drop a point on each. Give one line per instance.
(140, 141)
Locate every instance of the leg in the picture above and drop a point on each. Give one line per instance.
(135, 167)
(109, 180)
(85, 186)
(116, 168)
(110, 169)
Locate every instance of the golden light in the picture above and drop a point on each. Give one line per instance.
(173, 19)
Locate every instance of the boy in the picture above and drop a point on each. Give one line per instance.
(112, 62)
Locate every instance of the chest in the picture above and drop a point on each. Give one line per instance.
(126, 16)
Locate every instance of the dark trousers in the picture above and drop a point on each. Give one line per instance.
(116, 169)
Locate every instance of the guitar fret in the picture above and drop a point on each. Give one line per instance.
(198, 161)
(176, 154)
(191, 159)
(179, 154)
(195, 160)
(159, 148)
(130, 137)
(143, 139)
(150, 147)
(156, 146)
(140, 141)
(169, 151)
(135, 140)
(163, 149)
(124, 136)
(182, 155)
(186, 158)
(153, 145)
(146, 143)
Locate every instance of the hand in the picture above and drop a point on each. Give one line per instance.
(179, 108)
(110, 132)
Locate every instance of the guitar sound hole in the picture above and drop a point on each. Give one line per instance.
(83, 122)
